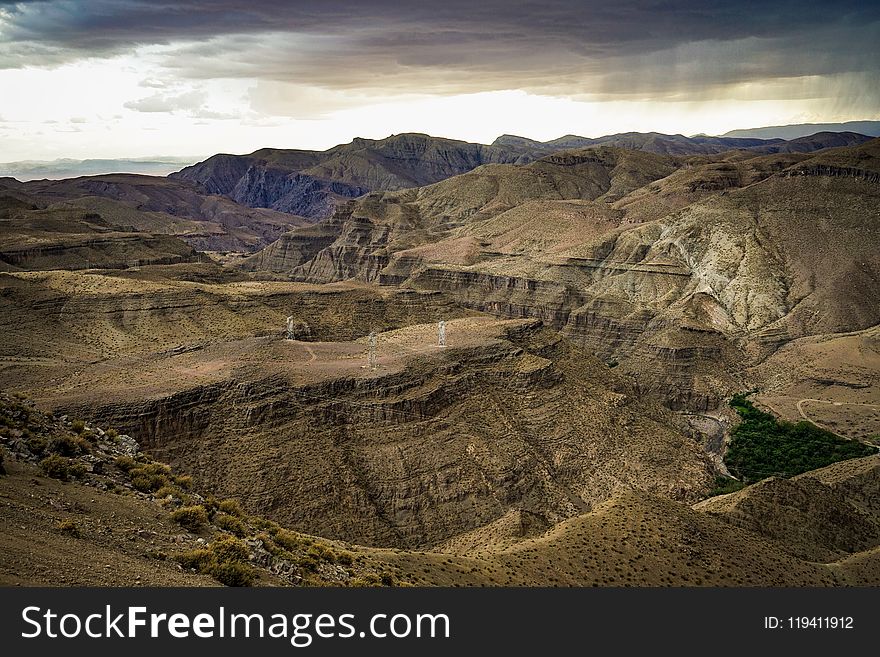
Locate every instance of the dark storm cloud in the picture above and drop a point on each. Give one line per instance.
(587, 27)
(581, 46)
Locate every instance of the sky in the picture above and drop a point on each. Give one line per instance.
(134, 78)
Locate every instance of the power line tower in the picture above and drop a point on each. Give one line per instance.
(441, 333)
(371, 356)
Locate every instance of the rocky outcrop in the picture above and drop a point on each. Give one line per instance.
(293, 249)
(70, 238)
(811, 169)
(67, 315)
(263, 186)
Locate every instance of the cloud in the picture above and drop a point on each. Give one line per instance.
(190, 100)
(316, 60)
(153, 83)
(204, 113)
(456, 46)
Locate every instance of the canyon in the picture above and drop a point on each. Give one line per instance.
(603, 301)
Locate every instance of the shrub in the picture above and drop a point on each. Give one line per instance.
(725, 485)
(229, 549)
(308, 562)
(112, 434)
(165, 491)
(155, 468)
(225, 560)
(66, 445)
(231, 507)
(270, 526)
(83, 442)
(78, 426)
(69, 528)
(184, 481)
(150, 477)
(148, 483)
(322, 552)
(210, 505)
(233, 574)
(367, 579)
(198, 560)
(269, 544)
(191, 517)
(125, 463)
(76, 469)
(232, 524)
(37, 444)
(2, 469)
(175, 493)
(288, 539)
(56, 467)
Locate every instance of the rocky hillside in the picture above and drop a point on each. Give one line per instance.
(72, 238)
(825, 515)
(432, 443)
(668, 266)
(85, 506)
(312, 183)
(160, 206)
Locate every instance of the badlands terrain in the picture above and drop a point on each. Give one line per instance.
(604, 299)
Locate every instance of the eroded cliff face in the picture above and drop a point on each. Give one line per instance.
(71, 238)
(95, 317)
(508, 418)
(313, 183)
(432, 445)
(783, 249)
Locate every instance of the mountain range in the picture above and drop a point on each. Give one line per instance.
(70, 168)
(604, 301)
(312, 183)
(870, 128)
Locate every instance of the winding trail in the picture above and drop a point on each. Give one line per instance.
(803, 414)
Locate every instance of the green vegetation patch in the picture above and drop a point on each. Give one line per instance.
(762, 446)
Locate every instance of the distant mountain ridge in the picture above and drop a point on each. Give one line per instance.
(794, 131)
(312, 183)
(60, 169)
(663, 144)
(651, 142)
